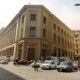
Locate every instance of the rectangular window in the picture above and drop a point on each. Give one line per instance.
(76, 36)
(76, 46)
(65, 33)
(58, 39)
(58, 29)
(62, 31)
(77, 52)
(44, 32)
(68, 35)
(32, 32)
(54, 25)
(21, 33)
(62, 41)
(23, 19)
(33, 17)
(65, 42)
(54, 37)
(44, 20)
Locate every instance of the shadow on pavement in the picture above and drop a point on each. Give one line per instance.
(70, 71)
(6, 75)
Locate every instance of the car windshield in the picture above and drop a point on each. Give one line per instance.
(48, 62)
(63, 63)
(48, 58)
(75, 62)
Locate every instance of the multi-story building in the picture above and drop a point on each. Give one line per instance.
(35, 32)
(77, 43)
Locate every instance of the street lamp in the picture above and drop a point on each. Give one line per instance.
(78, 4)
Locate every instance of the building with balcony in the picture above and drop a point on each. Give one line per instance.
(77, 43)
(35, 32)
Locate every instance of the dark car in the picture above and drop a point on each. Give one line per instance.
(79, 64)
(65, 66)
(22, 62)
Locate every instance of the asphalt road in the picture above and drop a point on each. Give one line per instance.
(11, 72)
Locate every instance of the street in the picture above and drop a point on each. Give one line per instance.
(19, 72)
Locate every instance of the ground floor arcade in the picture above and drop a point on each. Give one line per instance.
(30, 49)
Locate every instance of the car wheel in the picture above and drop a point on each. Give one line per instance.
(58, 70)
(68, 70)
(55, 67)
(77, 69)
(49, 67)
(42, 68)
(72, 69)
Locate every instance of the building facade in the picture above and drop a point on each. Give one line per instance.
(35, 32)
(77, 43)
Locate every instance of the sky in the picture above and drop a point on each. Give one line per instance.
(62, 9)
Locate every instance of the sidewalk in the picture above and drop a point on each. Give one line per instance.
(28, 73)
(25, 72)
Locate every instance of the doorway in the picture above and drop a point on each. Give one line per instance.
(31, 53)
(19, 52)
(43, 54)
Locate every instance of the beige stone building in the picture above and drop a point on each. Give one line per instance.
(77, 43)
(35, 32)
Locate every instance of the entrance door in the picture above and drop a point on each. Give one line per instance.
(43, 54)
(59, 52)
(31, 53)
(19, 52)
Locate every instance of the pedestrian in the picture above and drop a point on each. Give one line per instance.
(35, 65)
(16, 61)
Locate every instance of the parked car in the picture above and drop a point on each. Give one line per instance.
(79, 64)
(61, 59)
(51, 58)
(4, 61)
(21, 62)
(65, 66)
(48, 65)
(75, 65)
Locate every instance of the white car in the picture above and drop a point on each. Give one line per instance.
(48, 65)
(75, 65)
(4, 61)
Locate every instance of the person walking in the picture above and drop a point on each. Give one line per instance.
(35, 65)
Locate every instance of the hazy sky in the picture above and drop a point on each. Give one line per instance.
(63, 9)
